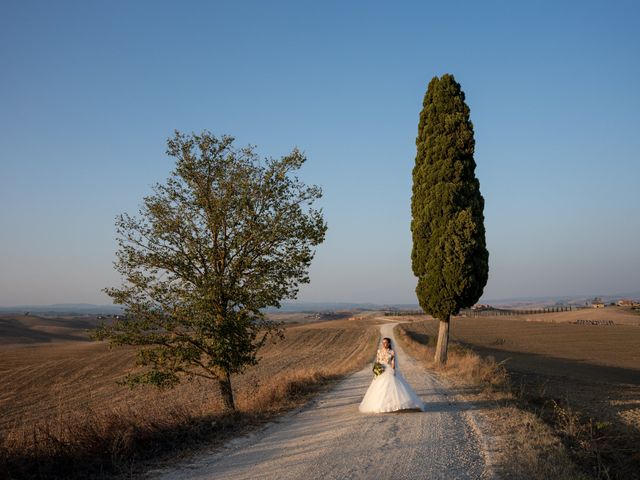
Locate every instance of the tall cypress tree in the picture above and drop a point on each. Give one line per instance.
(449, 254)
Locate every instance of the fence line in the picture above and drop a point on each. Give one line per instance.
(489, 312)
(493, 312)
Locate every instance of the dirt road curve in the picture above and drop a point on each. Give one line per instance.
(330, 439)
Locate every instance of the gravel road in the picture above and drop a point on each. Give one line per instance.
(330, 439)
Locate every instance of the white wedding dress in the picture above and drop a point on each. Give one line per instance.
(389, 391)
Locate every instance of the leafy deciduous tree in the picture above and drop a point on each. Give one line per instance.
(225, 237)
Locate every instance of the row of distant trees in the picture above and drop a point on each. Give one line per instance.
(502, 312)
(402, 313)
(487, 311)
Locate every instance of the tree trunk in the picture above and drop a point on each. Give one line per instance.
(443, 342)
(227, 392)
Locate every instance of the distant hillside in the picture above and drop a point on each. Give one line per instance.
(577, 300)
(90, 309)
(65, 308)
(296, 306)
(27, 329)
(336, 306)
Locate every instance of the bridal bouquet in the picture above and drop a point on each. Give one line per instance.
(378, 368)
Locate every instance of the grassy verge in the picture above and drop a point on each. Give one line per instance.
(125, 438)
(527, 447)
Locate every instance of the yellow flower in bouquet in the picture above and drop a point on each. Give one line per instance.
(378, 368)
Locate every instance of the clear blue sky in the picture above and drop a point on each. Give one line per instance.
(90, 91)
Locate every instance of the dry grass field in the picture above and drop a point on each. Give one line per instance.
(290, 318)
(582, 380)
(63, 412)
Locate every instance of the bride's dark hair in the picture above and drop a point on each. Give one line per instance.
(388, 340)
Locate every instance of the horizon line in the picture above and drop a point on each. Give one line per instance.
(346, 302)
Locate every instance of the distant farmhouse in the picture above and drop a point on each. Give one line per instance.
(628, 303)
(481, 306)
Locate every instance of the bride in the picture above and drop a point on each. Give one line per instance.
(389, 391)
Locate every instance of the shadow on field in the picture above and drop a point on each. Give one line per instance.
(537, 365)
(29, 329)
(595, 409)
